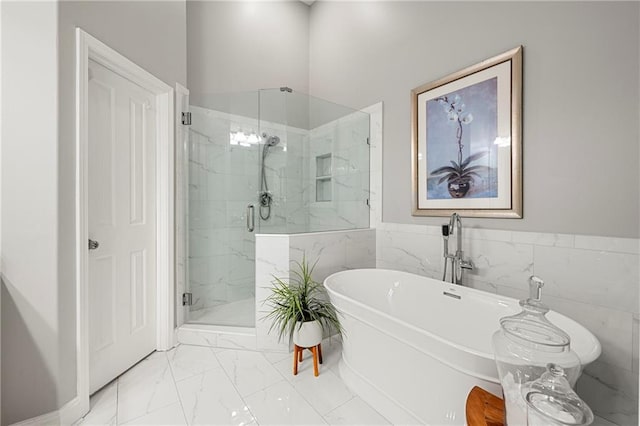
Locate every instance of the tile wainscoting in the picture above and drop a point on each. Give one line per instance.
(593, 280)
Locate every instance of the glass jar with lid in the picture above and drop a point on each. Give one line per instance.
(524, 345)
(551, 401)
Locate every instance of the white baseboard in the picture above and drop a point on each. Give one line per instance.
(73, 410)
(68, 414)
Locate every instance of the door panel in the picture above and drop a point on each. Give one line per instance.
(122, 180)
(103, 303)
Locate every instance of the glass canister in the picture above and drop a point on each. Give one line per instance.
(551, 401)
(524, 345)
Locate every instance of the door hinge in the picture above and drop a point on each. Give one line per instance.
(368, 141)
(368, 203)
(187, 299)
(186, 118)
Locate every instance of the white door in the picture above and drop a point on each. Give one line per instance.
(122, 220)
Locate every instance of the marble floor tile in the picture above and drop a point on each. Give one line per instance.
(192, 385)
(146, 387)
(249, 371)
(274, 357)
(331, 351)
(325, 392)
(171, 415)
(211, 399)
(281, 404)
(187, 361)
(353, 412)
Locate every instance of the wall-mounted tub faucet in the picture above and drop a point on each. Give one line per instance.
(458, 262)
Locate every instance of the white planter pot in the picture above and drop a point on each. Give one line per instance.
(308, 334)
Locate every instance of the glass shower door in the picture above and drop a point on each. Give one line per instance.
(224, 148)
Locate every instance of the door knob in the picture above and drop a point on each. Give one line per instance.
(93, 244)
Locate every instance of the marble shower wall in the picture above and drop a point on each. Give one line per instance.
(593, 280)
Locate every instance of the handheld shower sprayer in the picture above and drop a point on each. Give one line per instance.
(264, 197)
(270, 141)
(445, 239)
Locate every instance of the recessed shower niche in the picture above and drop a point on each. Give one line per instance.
(323, 177)
(268, 162)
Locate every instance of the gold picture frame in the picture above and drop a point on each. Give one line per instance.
(466, 129)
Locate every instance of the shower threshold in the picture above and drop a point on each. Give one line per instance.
(218, 336)
(229, 326)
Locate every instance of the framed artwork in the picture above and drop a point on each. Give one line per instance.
(467, 141)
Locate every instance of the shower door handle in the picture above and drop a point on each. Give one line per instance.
(250, 217)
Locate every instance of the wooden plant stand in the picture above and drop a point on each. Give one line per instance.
(297, 357)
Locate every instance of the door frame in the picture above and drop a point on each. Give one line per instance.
(90, 48)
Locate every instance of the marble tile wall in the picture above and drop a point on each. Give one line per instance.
(593, 280)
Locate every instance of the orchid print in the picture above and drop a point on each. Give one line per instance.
(460, 174)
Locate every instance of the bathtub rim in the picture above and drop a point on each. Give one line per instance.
(590, 356)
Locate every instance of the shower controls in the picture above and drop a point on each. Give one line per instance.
(265, 199)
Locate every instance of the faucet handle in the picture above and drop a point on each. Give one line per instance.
(535, 288)
(466, 264)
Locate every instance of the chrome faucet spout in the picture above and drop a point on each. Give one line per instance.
(455, 227)
(458, 262)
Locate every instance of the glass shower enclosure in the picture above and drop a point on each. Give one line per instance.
(270, 161)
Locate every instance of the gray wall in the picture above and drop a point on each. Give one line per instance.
(31, 326)
(580, 128)
(38, 177)
(245, 46)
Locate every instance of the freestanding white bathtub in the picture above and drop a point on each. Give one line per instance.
(413, 347)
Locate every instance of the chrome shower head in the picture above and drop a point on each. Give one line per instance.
(270, 140)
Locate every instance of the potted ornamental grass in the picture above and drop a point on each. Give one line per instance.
(300, 308)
